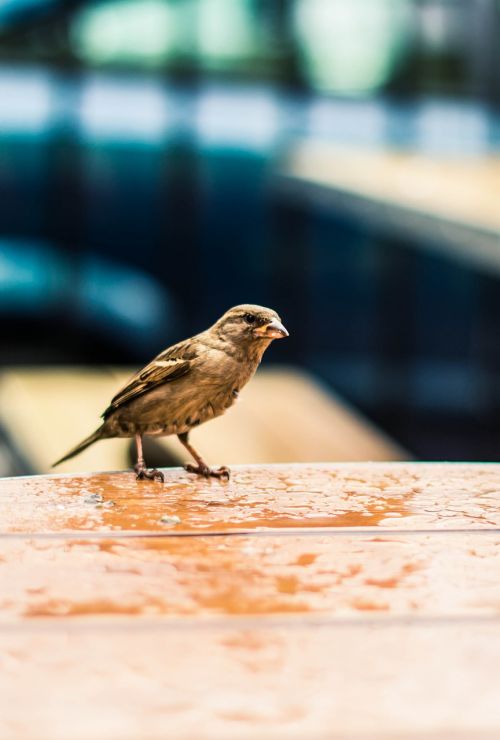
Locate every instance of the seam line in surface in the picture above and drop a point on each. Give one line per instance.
(138, 624)
(271, 532)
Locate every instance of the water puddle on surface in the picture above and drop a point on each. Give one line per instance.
(288, 573)
(267, 498)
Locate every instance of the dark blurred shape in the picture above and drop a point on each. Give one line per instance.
(14, 13)
(335, 46)
(50, 301)
(12, 460)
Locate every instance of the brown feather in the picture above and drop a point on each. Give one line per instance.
(179, 358)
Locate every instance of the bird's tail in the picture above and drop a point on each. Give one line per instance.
(81, 447)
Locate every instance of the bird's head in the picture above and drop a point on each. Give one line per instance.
(251, 324)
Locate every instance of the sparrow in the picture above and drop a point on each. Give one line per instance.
(188, 384)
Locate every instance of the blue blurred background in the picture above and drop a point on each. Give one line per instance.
(149, 181)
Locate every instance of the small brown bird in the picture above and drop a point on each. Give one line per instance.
(189, 383)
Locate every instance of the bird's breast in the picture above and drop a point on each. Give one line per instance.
(175, 408)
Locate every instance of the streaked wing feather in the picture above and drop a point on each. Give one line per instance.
(170, 365)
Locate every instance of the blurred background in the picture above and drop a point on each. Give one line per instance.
(162, 160)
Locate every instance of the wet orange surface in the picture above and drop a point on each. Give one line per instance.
(206, 577)
(390, 496)
(337, 600)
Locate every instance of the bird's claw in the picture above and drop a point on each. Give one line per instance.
(222, 472)
(206, 472)
(145, 474)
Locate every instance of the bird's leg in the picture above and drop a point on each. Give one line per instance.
(140, 467)
(201, 468)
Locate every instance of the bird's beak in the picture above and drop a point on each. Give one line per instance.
(273, 330)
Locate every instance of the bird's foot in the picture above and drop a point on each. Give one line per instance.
(143, 473)
(207, 472)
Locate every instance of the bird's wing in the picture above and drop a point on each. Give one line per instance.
(170, 365)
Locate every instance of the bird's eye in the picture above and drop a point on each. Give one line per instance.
(249, 318)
